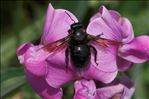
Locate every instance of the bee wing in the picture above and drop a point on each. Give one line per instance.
(57, 45)
(106, 44)
(102, 41)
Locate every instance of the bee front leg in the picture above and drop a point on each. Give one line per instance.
(67, 58)
(99, 35)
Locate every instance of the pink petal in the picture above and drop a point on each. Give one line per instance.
(137, 50)
(110, 91)
(98, 26)
(128, 35)
(56, 25)
(35, 69)
(123, 64)
(33, 59)
(41, 87)
(22, 50)
(128, 87)
(123, 90)
(84, 89)
(58, 74)
(128, 93)
(97, 15)
(106, 70)
(116, 15)
(111, 22)
(112, 25)
(83, 83)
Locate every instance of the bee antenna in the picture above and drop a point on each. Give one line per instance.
(70, 17)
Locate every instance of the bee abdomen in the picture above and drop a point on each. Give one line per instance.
(80, 55)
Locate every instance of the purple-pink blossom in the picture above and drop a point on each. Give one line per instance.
(35, 70)
(50, 68)
(120, 89)
(119, 28)
(47, 73)
(56, 72)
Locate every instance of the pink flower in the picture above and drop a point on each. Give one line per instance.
(46, 72)
(56, 26)
(118, 28)
(86, 89)
(35, 70)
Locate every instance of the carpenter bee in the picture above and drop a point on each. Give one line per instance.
(77, 45)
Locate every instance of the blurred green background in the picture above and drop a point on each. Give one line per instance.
(22, 21)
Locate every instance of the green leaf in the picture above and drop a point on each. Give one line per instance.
(8, 73)
(137, 76)
(11, 84)
(11, 78)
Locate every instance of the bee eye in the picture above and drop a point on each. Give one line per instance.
(69, 31)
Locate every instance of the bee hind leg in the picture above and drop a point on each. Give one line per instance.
(95, 53)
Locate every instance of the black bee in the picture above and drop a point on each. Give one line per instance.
(77, 46)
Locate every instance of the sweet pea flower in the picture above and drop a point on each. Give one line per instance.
(46, 72)
(118, 28)
(57, 24)
(86, 89)
(35, 70)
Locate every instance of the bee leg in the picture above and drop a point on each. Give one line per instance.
(95, 53)
(67, 58)
(100, 35)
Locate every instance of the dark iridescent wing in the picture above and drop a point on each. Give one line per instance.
(102, 41)
(107, 44)
(57, 45)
